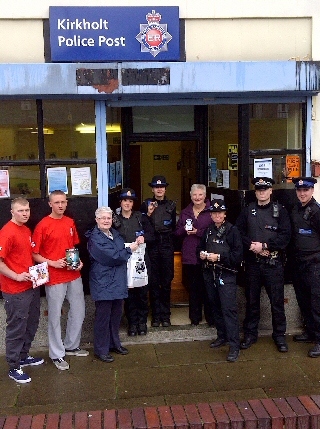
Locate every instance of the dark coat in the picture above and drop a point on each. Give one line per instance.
(108, 270)
(190, 242)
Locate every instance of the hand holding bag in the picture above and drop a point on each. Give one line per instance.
(136, 268)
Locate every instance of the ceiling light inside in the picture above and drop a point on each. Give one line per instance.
(90, 128)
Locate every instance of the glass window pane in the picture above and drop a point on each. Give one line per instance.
(223, 140)
(276, 126)
(18, 130)
(24, 180)
(156, 119)
(283, 169)
(69, 130)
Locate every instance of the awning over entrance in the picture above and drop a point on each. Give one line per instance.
(190, 82)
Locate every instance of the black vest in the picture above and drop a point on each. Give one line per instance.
(216, 238)
(130, 227)
(262, 223)
(306, 239)
(162, 216)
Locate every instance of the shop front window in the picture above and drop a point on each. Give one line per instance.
(275, 144)
(38, 136)
(115, 161)
(223, 146)
(69, 131)
(276, 141)
(18, 130)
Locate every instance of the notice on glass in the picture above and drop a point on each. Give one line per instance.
(292, 168)
(81, 181)
(57, 179)
(112, 175)
(223, 179)
(4, 184)
(213, 170)
(262, 167)
(118, 173)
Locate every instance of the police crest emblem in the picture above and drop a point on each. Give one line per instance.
(153, 36)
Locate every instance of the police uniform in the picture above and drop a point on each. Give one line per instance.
(268, 224)
(161, 254)
(220, 279)
(136, 305)
(306, 281)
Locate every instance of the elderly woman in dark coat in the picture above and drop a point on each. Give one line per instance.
(108, 283)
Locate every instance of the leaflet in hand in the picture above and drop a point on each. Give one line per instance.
(39, 274)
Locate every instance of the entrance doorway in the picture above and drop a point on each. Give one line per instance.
(176, 160)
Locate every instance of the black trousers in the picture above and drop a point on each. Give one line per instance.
(198, 297)
(106, 325)
(136, 306)
(260, 274)
(23, 312)
(307, 288)
(162, 271)
(222, 295)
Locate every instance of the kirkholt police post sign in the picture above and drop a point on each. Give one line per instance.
(87, 34)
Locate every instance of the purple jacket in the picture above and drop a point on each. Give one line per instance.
(190, 242)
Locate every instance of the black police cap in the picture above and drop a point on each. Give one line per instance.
(304, 182)
(262, 182)
(158, 181)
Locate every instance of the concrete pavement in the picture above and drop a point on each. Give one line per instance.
(167, 373)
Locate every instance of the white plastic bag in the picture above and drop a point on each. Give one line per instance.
(137, 269)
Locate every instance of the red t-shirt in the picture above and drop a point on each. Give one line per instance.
(51, 238)
(16, 252)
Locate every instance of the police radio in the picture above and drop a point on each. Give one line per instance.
(275, 210)
(307, 213)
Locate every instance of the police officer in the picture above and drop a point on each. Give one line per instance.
(305, 218)
(266, 230)
(221, 251)
(132, 226)
(162, 213)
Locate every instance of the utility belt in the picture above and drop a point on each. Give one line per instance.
(217, 267)
(273, 259)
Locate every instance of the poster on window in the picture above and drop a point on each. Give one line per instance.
(118, 173)
(81, 181)
(4, 184)
(213, 170)
(262, 167)
(292, 167)
(57, 179)
(232, 157)
(112, 175)
(223, 180)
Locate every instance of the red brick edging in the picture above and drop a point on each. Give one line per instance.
(301, 412)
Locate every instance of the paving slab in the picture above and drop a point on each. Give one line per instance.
(218, 396)
(163, 380)
(162, 375)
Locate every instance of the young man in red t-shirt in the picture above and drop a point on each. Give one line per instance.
(52, 236)
(21, 301)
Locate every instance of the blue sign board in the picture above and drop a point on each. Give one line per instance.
(90, 34)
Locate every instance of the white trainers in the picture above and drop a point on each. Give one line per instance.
(77, 352)
(61, 364)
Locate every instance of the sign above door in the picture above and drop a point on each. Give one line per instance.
(90, 34)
